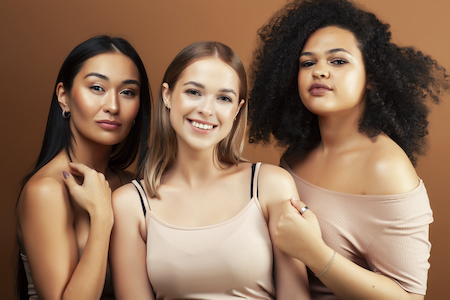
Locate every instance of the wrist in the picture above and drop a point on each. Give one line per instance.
(104, 219)
(321, 260)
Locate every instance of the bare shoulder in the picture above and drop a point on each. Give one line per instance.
(43, 194)
(44, 206)
(389, 169)
(126, 201)
(276, 184)
(125, 194)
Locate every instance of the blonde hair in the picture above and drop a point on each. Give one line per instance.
(163, 142)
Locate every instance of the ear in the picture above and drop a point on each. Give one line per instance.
(63, 97)
(165, 92)
(239, 107)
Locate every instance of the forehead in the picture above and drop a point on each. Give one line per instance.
(210, 70)
(111, 64)
(331, 37)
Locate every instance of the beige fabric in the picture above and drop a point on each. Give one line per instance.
(387, 234)
(31, 289)
(229, 260)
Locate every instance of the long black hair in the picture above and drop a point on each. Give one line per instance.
(401, 79)
(58, 135)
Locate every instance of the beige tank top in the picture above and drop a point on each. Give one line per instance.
(228, 260)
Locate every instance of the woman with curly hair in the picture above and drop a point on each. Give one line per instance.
(350, 106)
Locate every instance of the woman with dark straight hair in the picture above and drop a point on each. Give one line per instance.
(97, 126)
(350, 108)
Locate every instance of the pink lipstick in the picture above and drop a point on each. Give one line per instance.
(109, 125)
(318, 89)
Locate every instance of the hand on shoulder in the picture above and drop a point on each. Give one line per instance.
(275, 185)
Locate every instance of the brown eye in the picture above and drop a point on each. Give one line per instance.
(339, 62)
(307, 64)
(193, 92)
(97, 88)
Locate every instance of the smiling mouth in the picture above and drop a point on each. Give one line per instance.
(202, 126)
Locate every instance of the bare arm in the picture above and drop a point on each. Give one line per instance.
(297, 235)
(276, 185)
(128, 247)
(47, 226)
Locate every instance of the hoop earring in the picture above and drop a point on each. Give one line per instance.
(65, 115)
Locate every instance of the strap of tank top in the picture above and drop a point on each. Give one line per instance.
(254, 183)
(140, 189)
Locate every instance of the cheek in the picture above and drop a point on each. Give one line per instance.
(227, 114)
(355, 82)
(302, 84)
(133, 109)
(79, 104)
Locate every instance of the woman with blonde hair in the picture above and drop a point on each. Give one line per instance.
(199, 225)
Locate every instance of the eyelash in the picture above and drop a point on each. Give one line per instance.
(225, 98)
(129, 93)
(337, 62)
(197, 93)
(193, 92)
(306, 64)
(97, 88)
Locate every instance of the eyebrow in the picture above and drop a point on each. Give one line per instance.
(334, 50)
(199, 85)
(101, 76)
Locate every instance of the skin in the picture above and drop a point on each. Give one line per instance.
(344, 154)
(64, 225)
(194, 188)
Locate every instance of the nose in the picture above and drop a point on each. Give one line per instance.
(207, 106)
(321, 71)
(111, 103)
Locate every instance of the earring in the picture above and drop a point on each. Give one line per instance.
(65, 115)
(134, 122)
(167, 105)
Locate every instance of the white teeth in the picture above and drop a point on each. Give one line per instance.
(201, 126)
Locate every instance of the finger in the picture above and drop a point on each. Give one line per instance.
(69, 180)
(287, 208)
(297, 203)
(80, 169)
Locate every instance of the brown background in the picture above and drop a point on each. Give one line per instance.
(36, 36)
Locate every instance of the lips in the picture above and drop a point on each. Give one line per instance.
(319, 89)
(201, 125)
(107, 124)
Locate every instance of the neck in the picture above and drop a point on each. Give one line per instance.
(194, 168)
(340, 132)
(91, 154)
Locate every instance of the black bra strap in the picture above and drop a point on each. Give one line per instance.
(140, 196)
(251, 185)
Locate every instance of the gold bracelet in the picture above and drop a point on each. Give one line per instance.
(326, 269)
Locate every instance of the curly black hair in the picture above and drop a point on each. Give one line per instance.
(401, 79)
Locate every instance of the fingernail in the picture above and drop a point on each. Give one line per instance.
(65, 174)
(295, 199)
